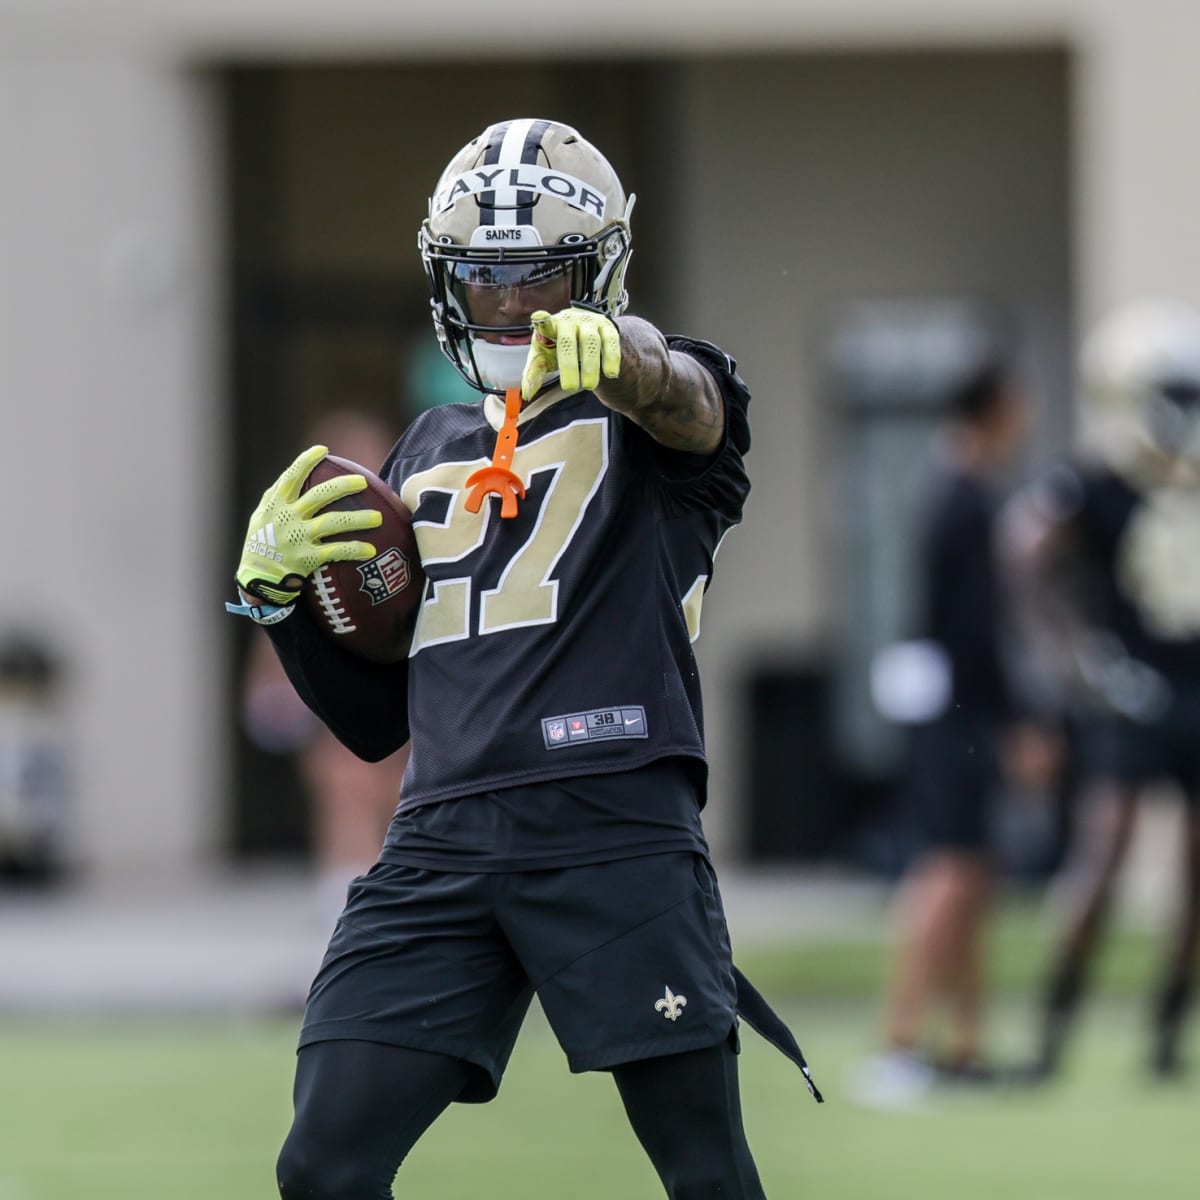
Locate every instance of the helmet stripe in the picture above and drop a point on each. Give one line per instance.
(512, 143)
(529, 154)
(511, 151)
(491, 156)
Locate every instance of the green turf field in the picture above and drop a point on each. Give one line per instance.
(153, 1109)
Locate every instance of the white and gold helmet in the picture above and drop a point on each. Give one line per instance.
(1140, 367)
(525, 201)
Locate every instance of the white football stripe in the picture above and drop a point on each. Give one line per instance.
(510, 156)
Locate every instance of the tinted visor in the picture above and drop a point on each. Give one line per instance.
(494, 294)
(497, 275)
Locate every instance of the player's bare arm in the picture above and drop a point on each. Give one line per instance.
(669, 394)
(631, 369)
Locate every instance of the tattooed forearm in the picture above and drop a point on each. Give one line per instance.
(671, 396)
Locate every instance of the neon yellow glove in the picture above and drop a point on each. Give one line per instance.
(578, 343)
(283, 543)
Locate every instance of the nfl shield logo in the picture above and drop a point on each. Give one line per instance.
(556, 731)
(385, 576)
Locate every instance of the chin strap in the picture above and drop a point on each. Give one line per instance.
(499, 476)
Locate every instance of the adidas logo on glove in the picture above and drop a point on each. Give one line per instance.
(262, 544)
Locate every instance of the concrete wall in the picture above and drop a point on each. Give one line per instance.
(112, 435)
(110, 326)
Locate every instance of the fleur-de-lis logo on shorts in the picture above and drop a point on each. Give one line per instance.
(671, 1005)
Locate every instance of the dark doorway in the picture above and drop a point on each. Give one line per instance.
(329, 172)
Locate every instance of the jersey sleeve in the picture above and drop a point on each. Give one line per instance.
(717, 481)
(364, 704)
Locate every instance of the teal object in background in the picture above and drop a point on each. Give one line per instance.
(432, 379)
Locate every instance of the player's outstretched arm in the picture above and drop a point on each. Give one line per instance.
(669, 394)
(630, 367)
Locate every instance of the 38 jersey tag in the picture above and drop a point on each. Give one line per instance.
(628, 721)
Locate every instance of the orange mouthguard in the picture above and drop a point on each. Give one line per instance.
(499, 476)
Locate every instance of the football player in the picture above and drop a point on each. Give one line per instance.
(975, 737)
(549, 836)
(1107, 547)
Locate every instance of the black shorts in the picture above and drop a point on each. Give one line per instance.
(630, 959)
(952, 784)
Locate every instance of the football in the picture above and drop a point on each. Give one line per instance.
(368, 607)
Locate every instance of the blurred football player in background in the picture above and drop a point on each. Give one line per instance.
(972, 736)
(549, 837)
(350, 800)
(1106, 549)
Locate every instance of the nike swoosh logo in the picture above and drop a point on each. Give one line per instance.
(632, 720)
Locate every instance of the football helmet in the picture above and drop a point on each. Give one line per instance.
(528, 203)
(1140, 367)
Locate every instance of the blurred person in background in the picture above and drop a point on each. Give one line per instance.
(350, 800)
(1105, 550)
(970, 737)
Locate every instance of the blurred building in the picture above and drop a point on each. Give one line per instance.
(208, 212)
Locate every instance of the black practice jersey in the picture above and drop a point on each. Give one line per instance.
(1139, 563)
(654, 809)
(557, 643)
